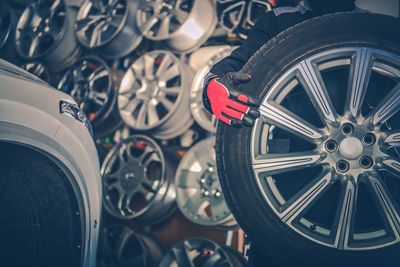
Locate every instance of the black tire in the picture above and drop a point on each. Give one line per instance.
(39, 226)
(285, 246)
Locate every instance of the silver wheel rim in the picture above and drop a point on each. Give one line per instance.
(199, 193)
(134, 178)
(105, 23)
(194, 250)
(89, 82)
(152, 95)
(206, 120)
(184, 24)
(340, 171)
(37, 69)
(239, 16)
(40, 28)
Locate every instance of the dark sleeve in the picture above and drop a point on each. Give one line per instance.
(262, 32)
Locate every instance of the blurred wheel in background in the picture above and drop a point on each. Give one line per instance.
(122, 247)
(204, 59)
(154, 95)
(183, 24)
(202, 252)
(37, 69)
(199, 193)
(90, 82)
(138, 180)
(8, 22)
(238, 16)
(45, 32)
(108, 26)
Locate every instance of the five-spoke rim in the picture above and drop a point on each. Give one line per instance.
(133, 174)
(40, 28)
(320, 162)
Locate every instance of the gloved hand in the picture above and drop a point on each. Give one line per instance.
(221, 98)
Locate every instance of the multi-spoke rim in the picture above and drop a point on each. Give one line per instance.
(89, 82)
(151, 90)
(193, 250)
(40, 28)
(185, 24)
(99, 21)
(206, 120)
(239, 16)
(37, 69)
(349, 160)
(199, 193)
(119, 241)
(5, 23)
(134, 172)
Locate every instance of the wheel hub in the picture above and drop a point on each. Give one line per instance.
(131, 176)
(207, 184)
(351, 148)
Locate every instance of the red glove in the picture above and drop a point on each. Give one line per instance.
(227, 104)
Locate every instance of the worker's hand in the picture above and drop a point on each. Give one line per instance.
(223, 100)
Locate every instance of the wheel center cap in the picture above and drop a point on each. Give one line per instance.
(351, 148)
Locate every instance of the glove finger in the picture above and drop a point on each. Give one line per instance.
(239, 77)
(233, 113)
(238, 106)
(248, 121)
(243, 98)
(224, 119)
(253, 113)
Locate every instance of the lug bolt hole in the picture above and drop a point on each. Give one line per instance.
(347, 129)
(369, 139)
(331, 146)
(342, 166)
(366, 162)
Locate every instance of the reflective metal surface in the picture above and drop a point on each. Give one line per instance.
(109, 25)
(183, 24)
(153, 95)
(206, 120)
(199, 193)
(37, 69)
(342, 148)
(45, 31)
(201, 252)
(90, 83)
(239, 16)
(137, 181)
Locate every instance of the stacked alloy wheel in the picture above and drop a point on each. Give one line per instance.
(199, 193)
(201, 252)
(45, 32)
(90, 82)
(138, 181)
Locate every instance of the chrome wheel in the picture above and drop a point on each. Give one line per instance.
(201, 252)
(199, 193)
(110, 26)
(206, 120)
(121, 246)
(325, 150)
(183, 24)
(38, 70)
(137, 180)
(90, 82)
(153, 95)
(45, 32)
(239, 16)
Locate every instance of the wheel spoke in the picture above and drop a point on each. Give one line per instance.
(181, 254)
(388, 209)
(345, 215)
(393, 165)
(148, 66)
(99, 73)
(165, 64)
(194, 202)
(35, 43)
(393, 139)
(172, 72)
(186, 179)
(315, 88)
(141, 117)
(306, 197)
(360, 73)
(152, 115)
(168, 104)
(388, 107)
(285, 119)
(278, 163)
(149, 24)
(122, 203)
(122, 241)
(163, 31)
(100, 98)
(95, 39)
